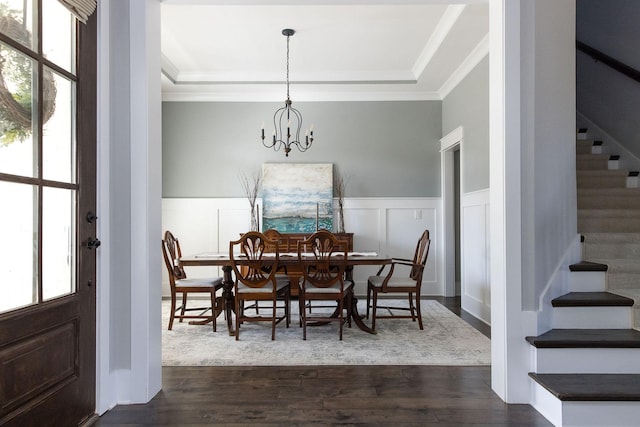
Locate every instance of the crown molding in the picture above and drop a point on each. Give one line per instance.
(474, 58)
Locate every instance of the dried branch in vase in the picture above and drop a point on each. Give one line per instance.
(339, 187)
(251, 190)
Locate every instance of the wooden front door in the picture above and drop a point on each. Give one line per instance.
(47, 226)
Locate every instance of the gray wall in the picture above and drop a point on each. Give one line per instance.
(608, 98)
(384, 149)
(468, 106)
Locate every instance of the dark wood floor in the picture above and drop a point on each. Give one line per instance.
(328, 395)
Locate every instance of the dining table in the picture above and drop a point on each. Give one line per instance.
(223, 260)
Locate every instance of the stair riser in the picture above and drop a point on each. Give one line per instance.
(586, 360)
(612, 250)
(587, 281)
(608, 225)
(623, 281)
(611, 202)
(613, 181)
(594, 163)
(559, 413)
(592, 317)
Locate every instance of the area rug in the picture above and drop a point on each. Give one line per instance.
(445, 340)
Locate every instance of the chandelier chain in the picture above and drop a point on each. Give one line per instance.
(288, 67)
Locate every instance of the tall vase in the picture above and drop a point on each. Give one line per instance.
(255, 218)
(340, 218)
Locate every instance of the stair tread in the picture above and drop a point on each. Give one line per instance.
(591, 387)
(587, 338)
(592, 299)
(588, 266)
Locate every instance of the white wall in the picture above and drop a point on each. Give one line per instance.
(128, 346)
(386, 225)
(474, 242)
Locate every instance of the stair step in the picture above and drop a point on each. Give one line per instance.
(587, 338)
(588, 266)
(582, 408)
(601, 178)
(592, 299)
(589, 310)
(591, 161)
(612, 246)
(611, 198)
(587, 277)
(608, 220)
(591, 387)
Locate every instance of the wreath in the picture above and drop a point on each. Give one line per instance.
(16, 84)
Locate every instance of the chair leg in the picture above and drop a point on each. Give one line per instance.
(341, 315)
(287, 309)
(303, 316)
(412, 308)
(419, 311)
(374, 308)
(184, 306)
(238, 314)
(368, 298)
(173, 310)
(273, 320)
(213, 310)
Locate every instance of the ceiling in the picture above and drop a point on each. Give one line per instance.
(225, 50)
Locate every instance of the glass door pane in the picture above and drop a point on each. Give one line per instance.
(18, 21)
(18, 152)
(58, 242)
(58, 35)
(58, 138)
(18, 252)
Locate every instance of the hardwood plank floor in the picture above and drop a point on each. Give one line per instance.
(327, 395)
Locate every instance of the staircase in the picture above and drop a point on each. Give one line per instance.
(587, 367)
(609, 216)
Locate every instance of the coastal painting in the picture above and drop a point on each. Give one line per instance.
(297, 197)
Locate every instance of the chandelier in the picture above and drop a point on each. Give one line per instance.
(287, 119)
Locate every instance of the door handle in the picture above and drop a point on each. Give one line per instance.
(93, 243)
(91, 216)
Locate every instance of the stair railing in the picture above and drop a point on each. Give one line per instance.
(607, 60)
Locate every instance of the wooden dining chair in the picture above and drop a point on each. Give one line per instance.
(393, 283)
(324, 260)
(181, 285)
(280, 242)
(255, 280)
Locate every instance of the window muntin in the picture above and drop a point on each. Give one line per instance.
(38, 160)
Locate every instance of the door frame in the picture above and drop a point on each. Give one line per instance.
(449, 144)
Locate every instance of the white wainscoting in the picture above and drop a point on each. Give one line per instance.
(385, 225)
(476, 289)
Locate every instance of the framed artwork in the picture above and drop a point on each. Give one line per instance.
(297, 197)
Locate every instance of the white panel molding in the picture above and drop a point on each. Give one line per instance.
(475, 268)
(385, 225)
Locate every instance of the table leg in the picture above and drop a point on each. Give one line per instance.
(227, 295)
(355, 316)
